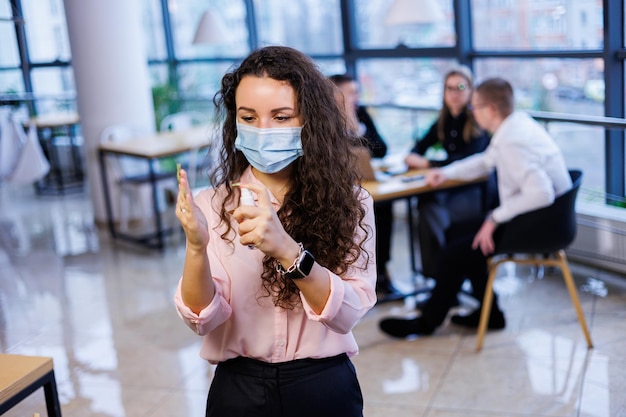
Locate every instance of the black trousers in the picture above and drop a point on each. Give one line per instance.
(437, 212)
(245, 387)
(458, 262)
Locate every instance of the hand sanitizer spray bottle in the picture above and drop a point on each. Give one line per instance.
(247, 199)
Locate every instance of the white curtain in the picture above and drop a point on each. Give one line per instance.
(32, 164)
(12, 139)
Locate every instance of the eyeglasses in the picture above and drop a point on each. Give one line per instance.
(458, 87)
(472, 107)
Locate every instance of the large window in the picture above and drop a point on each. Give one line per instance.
(311, 26)
(230, 23)
(403, 82)
(557, 85)
(378, 27)
(537, 25)
(9, 54)
(554, 53)
(153, 30)
(11, 81)
(46, 30)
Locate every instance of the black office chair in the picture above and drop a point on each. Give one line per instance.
(545, 232)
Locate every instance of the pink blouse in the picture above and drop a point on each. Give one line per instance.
(240, 322)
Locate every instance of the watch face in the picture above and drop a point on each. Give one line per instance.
(306, 264)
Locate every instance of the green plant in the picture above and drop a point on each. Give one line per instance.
(166, 101)
(14, 104)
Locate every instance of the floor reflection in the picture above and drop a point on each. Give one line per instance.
(104, 312)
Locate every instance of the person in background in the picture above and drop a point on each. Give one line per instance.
(361, 124)
(359, 120)
(456, 132)
(531, 173)
(279, 263)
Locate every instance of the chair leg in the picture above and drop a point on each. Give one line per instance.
(487, 301)
(571, 287)
(124, 207)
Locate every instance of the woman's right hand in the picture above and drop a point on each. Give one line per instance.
(416, 161)
(191, 217)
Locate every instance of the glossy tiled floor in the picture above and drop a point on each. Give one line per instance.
(104, 312)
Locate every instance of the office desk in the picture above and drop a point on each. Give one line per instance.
(50, 130)
(150, 148)
(397, 188)
(21, 376)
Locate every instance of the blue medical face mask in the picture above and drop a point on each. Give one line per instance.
(269, 150)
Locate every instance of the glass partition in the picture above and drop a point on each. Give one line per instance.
(46, 30)
(11, 81)
(550, 84)
(375, 31)
(9, 55)
(416, 82)
(55, 89)
(202, 80)
(231, 15)
(583, 148)
(153, 30)
(537, 25)
(312, 26)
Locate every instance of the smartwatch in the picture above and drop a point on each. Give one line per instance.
(301, 266)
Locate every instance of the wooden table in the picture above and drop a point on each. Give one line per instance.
(50, 129)
(151, 148)
(408, 185)
(21, 375)
(405, 187)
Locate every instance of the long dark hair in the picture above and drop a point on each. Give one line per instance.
(322, 208)
(471, 129)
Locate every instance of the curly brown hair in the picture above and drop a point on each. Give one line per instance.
(322, 208)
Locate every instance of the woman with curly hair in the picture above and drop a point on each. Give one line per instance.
(275, 280)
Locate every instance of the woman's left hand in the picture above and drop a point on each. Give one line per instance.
(416, 161)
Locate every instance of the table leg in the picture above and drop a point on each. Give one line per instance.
(411, 235)
(107, 195)
(52, 396)
(76, 158)
(155, 205)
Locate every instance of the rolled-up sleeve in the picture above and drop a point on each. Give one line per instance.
(216, 313)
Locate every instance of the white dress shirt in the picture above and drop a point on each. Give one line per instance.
(530, 167)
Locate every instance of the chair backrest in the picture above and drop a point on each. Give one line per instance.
(116, 133)
(544, 230)
(364, 163)
(120, 166)
(182, 120)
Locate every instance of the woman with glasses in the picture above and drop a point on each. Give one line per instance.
(456, 132)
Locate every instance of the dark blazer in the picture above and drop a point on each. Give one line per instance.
(373, 140)
(453, 142)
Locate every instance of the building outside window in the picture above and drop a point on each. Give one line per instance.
(551, 51)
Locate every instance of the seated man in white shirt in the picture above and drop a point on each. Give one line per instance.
(531, 173)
